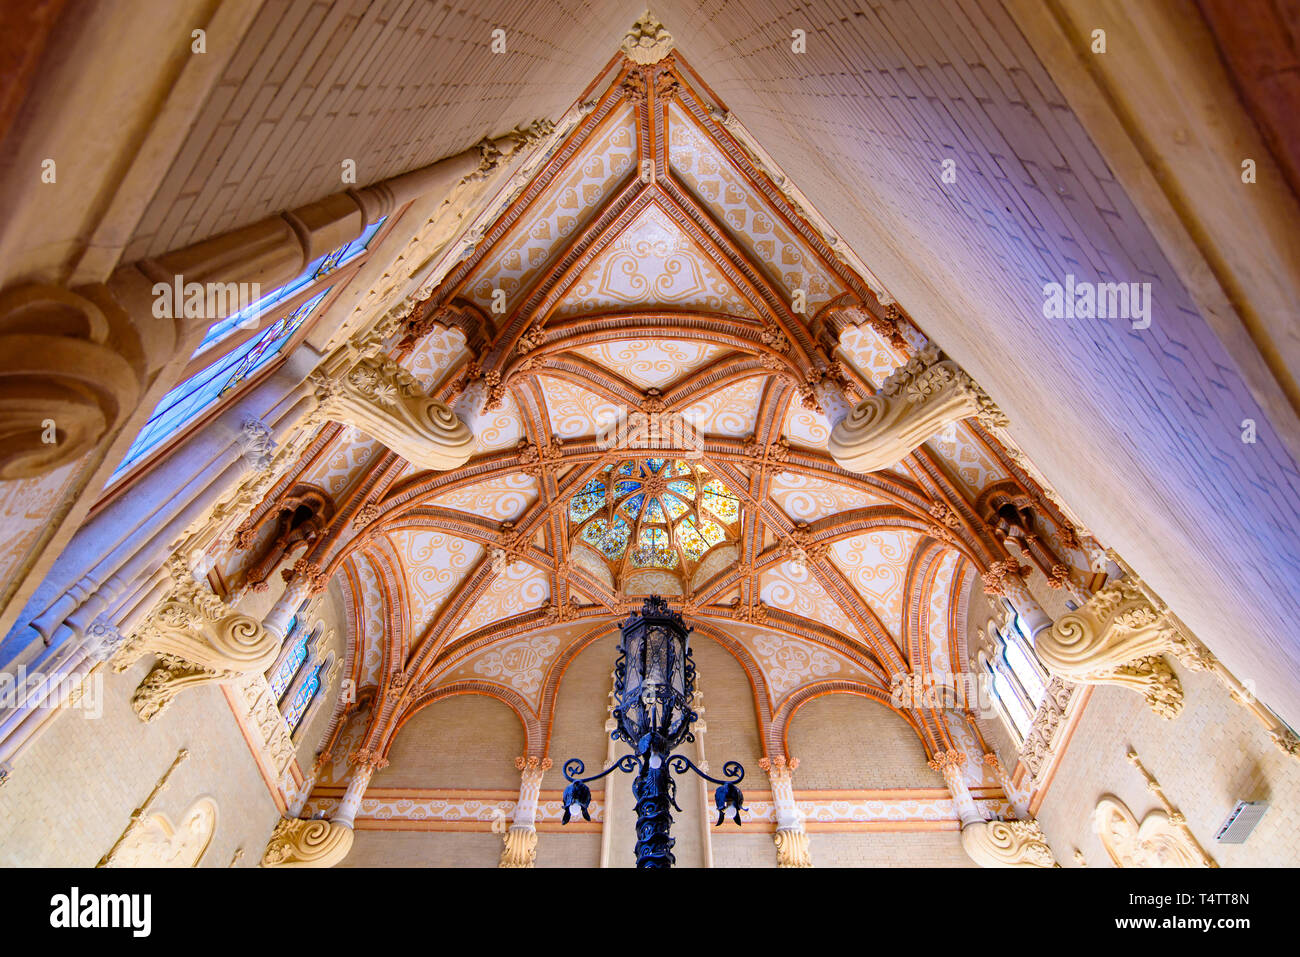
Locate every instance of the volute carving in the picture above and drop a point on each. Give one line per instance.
(1006, 844)
(305, 843)
(916, 401)
(63, 384)
(1117, 637)
(372, 393)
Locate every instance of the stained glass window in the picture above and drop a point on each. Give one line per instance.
(189, 399)
(654, 549)
(301, 700)
(685, 489)
(611, 540)
(587, 502)
(289, 667)
(654, 513)
(675, 507)
(633, 505)
(693, 545)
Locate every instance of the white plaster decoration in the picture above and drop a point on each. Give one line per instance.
(648, 41)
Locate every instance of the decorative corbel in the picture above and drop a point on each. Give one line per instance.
(917, 400)
(307, 843)
(198, 640)
(1118, 637)
(375, 395)
(1007, 844)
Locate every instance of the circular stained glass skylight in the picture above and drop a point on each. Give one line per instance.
(654, 513)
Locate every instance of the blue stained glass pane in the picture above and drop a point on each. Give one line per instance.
(288, 668)
(301, 700)
(654, 465)
(685, 489)
(195, 394)
(587, 502)
(675, 506)
(319, 267)
(633, 505)
(654, 512)
(622, 489)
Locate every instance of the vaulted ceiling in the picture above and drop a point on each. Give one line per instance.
(652, 266)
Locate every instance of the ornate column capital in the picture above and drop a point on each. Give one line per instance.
(367, 759)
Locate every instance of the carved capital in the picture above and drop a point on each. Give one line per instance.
(300, 843)
(916, 401)
(520, 847)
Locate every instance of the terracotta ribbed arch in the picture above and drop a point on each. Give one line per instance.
(778, 742)
(533, 741)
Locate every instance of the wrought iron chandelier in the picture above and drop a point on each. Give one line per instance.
(654, 685)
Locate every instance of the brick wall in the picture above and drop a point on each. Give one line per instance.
(469, 741)
(1210, 756)
(844, 741)
(72, 791)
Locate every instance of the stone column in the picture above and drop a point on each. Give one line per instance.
(951, 764)
(364, 764)
(1008, 578)
(1015, 796)
(791, 837)
(304, 790)
(521, 840)
(301, 582)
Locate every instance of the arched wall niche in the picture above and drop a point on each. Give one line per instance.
(460, 741)
(847, 741)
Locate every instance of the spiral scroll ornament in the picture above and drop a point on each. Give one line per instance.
(1007, 844)
(299, 843)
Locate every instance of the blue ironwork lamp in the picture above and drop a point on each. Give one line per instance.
(654, 683)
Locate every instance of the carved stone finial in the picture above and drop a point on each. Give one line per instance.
(648, 41)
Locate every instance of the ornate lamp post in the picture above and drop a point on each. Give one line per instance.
(654, 681)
